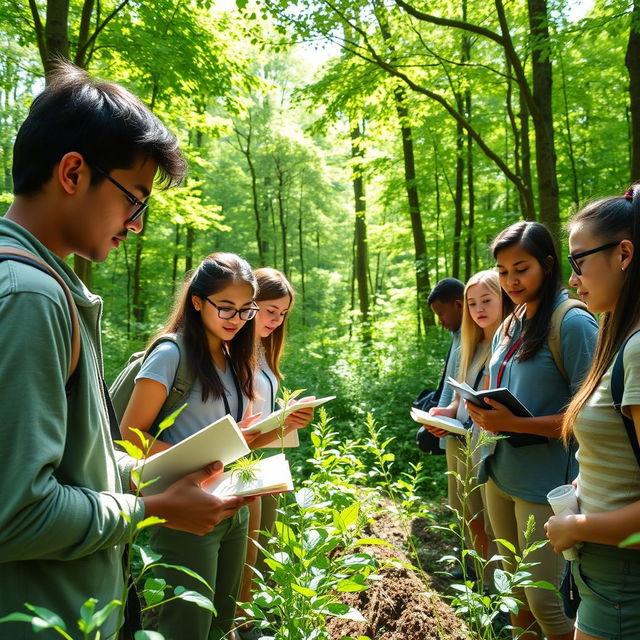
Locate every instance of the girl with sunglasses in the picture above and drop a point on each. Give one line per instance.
(606, 272)
(532, 459)
(214, 317)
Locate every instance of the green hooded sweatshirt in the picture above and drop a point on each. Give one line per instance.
(61, 522)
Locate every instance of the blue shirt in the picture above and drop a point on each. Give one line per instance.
(531, 471)
(161, 365)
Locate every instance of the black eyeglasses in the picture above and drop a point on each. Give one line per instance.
(141, 206)
(226, 313)
(574, 257)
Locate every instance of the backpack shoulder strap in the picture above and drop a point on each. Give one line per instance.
(553, 339)
(20, 255)
(184, 377)
(617, 391)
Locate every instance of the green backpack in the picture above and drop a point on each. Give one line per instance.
(122, 387)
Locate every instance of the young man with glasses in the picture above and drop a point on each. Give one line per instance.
(84, 164)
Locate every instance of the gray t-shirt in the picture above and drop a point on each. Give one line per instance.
(161, 365)
(265, 385)
(530, 472)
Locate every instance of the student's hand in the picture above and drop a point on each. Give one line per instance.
(186, 507)
(496, 420)
(449, 412)
(302, 417)
(439, 433)
(560, 532)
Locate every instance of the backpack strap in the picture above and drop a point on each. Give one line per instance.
(184, 377)
(553, 339)
(20, 255)
(617, 391)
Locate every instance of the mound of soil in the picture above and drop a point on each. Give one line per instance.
(403, 605)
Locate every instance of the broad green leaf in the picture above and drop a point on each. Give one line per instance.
(49, 618)
(133, 450)
(196, 598)
(153, 591)
(151, 521)
(355, 583)
(345, 612)
(184, 570)
(507, 544)
(309, 593)
(348, 517)
(170, 419)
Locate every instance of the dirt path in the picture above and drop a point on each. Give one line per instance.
(402, 605)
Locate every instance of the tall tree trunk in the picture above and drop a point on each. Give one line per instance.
(423, 286)
(541, 71)
(176, 256)
(301, 249)
(188, 248)
(247, 152)
(457, 227)
(525, 159)
(632, 62)
(282, 219)
(470, 245)
(360, 231)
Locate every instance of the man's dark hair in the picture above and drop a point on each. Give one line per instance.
(109, 126)
(447, 290)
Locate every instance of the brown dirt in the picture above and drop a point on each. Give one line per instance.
(403, 605)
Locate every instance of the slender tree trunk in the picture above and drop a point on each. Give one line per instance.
(188, 248)
(360, 232)
(541, 71)
(632, 62)
(457, 228)
(282, 218)
(301, 249)
(247, 152)
(176, 257)
(436, 180)
(470, 244)
(423, 286)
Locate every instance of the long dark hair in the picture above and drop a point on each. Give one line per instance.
(609, 220)
(214, 273)
(536, 240)
(273, 285)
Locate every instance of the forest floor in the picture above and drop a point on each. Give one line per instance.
(405, 604)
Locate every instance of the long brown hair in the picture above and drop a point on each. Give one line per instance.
(214, 273)
(273, 284)
(609, 220)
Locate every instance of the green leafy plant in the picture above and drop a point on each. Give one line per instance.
(152, 590)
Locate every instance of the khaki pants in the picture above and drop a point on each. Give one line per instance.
(509, 516)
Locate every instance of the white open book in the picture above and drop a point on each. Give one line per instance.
(221, 440)
(274, 420)
(271, 475)
(441, 422)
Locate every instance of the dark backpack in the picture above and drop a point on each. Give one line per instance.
(123, 385)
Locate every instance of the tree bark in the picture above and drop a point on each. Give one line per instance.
(457, 227)
(542, 74)
(247, 153)
(360, 231)
(301, 249)
(632, 62)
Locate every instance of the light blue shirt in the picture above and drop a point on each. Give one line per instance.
(446, 397)
(531, 471)
(161, 365)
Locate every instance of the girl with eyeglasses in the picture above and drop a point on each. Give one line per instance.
(532, 459)
(214, 318)
(275, 300)
(606, 273)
